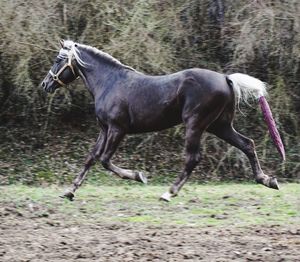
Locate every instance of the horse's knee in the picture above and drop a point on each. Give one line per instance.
(192, 160)
(104, 162)
(89, 161)
(195, 159)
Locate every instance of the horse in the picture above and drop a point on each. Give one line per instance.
(130, 102)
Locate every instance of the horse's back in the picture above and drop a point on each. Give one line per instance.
(207, 81)
(153, 103)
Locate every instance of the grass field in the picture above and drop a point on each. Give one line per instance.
(196, 205)
(226, 222)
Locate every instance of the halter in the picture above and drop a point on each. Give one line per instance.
(55, 77)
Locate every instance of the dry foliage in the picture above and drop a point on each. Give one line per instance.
(261, 38)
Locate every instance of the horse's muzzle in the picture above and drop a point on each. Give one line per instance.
(43, 84)
(46, 88)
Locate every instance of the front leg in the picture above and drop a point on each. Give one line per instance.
(127, 173)
(96, 152)
(114, 137)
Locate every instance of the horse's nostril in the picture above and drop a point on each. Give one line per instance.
(43, 84)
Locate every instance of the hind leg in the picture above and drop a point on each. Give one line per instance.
(194, 131)
(192, 159)
(196, 117)
(246, 145)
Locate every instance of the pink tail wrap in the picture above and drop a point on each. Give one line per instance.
(272, 126)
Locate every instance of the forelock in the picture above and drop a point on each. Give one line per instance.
(68, 44)
(63, 53)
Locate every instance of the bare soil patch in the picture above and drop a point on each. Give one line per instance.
(26, 235)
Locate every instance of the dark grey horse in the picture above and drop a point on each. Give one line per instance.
(129, 102)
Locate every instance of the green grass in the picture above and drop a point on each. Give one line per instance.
(196, 205)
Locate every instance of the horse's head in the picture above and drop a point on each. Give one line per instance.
(63, 71)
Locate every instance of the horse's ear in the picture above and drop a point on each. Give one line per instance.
(61, 41)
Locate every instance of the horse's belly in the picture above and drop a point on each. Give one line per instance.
(155, 121)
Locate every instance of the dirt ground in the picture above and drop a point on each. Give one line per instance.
(57, 237)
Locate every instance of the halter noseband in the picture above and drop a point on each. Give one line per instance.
(55, 77)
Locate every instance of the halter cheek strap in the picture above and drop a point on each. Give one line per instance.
(55, 77)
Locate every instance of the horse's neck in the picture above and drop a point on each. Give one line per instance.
(97, 73)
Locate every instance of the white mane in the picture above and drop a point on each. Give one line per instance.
(71, 48)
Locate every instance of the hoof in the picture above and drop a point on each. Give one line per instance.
(267, 181)
(140, 177)
(273, 183)
(166, 197)
(68, 195)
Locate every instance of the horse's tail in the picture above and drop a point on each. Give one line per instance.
(246, 87)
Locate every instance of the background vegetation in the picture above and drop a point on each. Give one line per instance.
(46, 137)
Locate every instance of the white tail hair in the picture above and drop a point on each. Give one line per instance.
(246, 87)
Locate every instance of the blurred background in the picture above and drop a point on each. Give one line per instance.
(45, 138)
